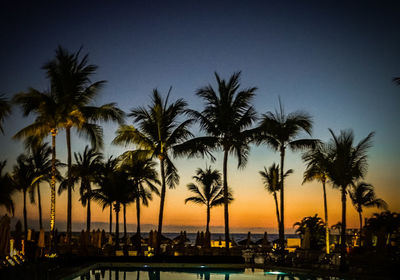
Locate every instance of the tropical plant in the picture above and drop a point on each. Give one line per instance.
(7, 189)
(316, 227)
(226, 119)
(157, 133)
(280, 131)
(384, 224)
(85, 170)
(143, 179)
(70, 81)
(208, 191)
(23, 179)
(348, 164)
(5, 110)
(363, 195)
(272, 184)
(318, 160)
(49, 119)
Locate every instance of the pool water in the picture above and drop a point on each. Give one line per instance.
(192, 274)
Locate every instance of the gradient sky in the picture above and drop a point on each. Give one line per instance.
(333, 59)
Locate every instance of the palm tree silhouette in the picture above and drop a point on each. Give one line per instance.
(348, 164)
(143, 179)
(280, 131)
(85, 170)
(23, 179)
(157, 134)
(318, 160)
(70, 81)
(5, 110)
(209, 192)
(227, 115)
(363, 195)
(7, 189)
(272, 184)
(49, 119)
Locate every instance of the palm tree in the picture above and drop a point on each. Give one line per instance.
(317, 160)
(23, 179)
(348, 164)
(49, 119)
(209, 192)
(363, 195)
(5, 110)
(70, 81)
(157, 134)
(316, 228)
(280, 131)
(272, 184)
(227, 115)
(85, 170)
(7, 189)
(143, 178)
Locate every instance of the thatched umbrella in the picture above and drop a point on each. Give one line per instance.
(246, 242)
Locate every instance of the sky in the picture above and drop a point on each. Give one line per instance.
(333, 59)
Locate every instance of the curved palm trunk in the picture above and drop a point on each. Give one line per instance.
(88, 214)
(326, 219)
(226, 201)
(124, 211)
(110, 218)
(208, 218)
(277, 209)
(138, 234)
(53, 188)
(343, 266)
(39, 206)
(117, 208)
(360, 217)
(162, 199)
(69, 187)
(282, 216)
(25, 217)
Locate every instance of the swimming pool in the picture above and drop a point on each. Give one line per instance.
(195, 273)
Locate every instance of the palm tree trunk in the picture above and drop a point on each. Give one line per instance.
(139, 242)
(110, 218)
(53, 188)
(160, 216)
(326, 219)
(277, 209)
(282, 223)
(88, 214)
(69, 187)
(343, 266)
(208, 219)
(117, 225)
(226, 201)
(25, 217)
(39, 206)
(360, 217)
(124, 211)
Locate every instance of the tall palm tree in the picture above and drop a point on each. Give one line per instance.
(280, 131)
(144, 180)
(317, 160)
(49, 119)
(70, 81)
(363, 195)
(23, 179)
(272, 184)
(5, 110)
(209, 192)
(157, 134)
(226, 118)
(85, 170)
(7, 189)
(348, 164)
